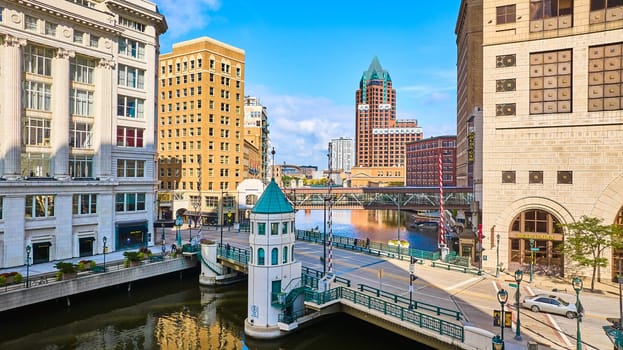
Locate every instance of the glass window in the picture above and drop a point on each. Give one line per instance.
(38, 60)
(81, 166)
(36, 131)
(37, 96)
(39, 206)
(274, 228)
(260, 256)
(132, 48)
(80, 135)
(505, 14)
(129, 137)
(36, 164)
(261, 228)
(78, 37)
(81, 69)
(81, 103)
(274, 256)
(84, 204)
(30, 23)
(285, 255)
(284, 227)
(130, 107)
(50, 28)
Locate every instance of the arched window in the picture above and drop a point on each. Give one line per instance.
(274, 256)
(285, 255)
(260, 256)
(535, 235)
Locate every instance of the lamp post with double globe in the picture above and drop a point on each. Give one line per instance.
(104, 250)
(28, 249)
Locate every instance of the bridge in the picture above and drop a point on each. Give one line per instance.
(415, 198)
(438, 326)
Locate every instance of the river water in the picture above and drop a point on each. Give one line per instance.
(174, 312)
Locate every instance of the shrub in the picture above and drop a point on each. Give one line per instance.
(65, 267)
(2, 280)
(133, 256)
(17, 278)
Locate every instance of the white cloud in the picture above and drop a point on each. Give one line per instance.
(301, 126)
(186, 16)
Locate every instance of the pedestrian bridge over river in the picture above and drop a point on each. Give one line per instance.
(433, 325)
(415, 198)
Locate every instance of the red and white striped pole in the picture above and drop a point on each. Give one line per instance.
(442, 237)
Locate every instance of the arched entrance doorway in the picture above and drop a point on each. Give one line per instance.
(535, 235)
(617, 254)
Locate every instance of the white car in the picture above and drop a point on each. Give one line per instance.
(551, 304)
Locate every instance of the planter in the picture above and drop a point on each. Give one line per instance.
(68, 275)
(133, 263)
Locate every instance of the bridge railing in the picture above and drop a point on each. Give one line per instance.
(439, 310)
(361, 245)
(237, 254)
(414, 317)
(318, 274)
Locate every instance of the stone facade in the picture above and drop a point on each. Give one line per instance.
(73, 173)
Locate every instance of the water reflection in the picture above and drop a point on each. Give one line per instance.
(172, 313)
(378, 225)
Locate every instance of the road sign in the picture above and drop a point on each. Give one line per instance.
(535, 249)
(514, 285)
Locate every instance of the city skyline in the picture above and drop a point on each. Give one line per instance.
(304, 63)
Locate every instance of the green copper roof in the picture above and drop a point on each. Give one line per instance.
(272, 201)
(376, 72)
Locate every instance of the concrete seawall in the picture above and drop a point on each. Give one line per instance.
(16, 298)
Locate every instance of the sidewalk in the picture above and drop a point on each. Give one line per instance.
(49, 266)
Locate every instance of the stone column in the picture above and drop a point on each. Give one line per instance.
(11, 106)
(60, 113)
(104, 135)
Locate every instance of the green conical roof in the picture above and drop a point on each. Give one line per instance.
(272, 201)
(376, 71)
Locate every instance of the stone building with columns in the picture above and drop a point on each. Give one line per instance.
(77, 113)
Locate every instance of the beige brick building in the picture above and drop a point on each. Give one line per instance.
(552, 126)
(200, 130)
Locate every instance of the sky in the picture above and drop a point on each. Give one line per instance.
(304, 61)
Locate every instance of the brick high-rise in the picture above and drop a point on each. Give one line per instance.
(379, 138)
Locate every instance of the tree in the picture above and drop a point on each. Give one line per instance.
(587, 240)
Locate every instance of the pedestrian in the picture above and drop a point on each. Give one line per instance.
(368, 242)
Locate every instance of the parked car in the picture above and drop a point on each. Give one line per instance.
(551, 304)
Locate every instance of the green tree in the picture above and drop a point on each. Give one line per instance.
(587, 240)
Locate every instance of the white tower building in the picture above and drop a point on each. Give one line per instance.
(274, 275)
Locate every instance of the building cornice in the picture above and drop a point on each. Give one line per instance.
(153, 17)
(55, 11)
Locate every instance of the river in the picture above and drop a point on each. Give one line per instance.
(174, 312)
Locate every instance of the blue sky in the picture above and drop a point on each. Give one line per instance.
(304, 60)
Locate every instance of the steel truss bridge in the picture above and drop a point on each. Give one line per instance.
(415, 198)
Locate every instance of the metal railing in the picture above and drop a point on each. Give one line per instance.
(398, 312)
(372, 247)
(439, 310)
(318, 274)
(239, 255)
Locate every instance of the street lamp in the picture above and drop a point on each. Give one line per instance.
(222, 212)
(104, 249)
(497, 343)
(411, 279)
(178, 235)
(497, 260)
(531, 257)
(190, 231)
(518, 278)
(28, 248)
(577, 286)
(502, 298)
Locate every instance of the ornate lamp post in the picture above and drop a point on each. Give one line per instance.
(178, 234)
(497, 343)
(190, 231)
(411, 279)
(577, 286)
(104, 249)
(28, 249)
(502, 298)
(222, 212)
(518, 278)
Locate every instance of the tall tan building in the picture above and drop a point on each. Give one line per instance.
(200, 130)
(256, 134)
(552, 126)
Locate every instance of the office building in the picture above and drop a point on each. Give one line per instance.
(551, 126)
(423, 162)
(200, 130)
(256, 133)
(379, 137)
(342, 154)
(77, 121)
